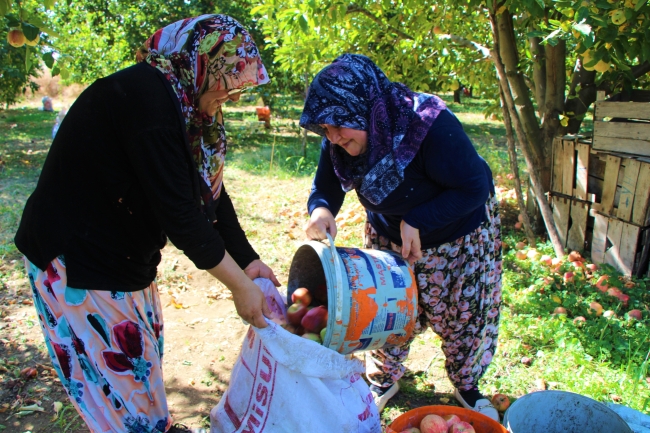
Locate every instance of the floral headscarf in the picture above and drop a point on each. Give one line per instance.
(209, 52)
(352, 92)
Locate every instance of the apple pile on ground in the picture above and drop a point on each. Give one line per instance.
(574, 270)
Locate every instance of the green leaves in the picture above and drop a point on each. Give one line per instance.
(48, 59)
(584, 29)
(304, 25)
(31, 32)
(5, 6)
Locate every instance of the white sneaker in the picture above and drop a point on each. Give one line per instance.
(382, 395)
(482, 405)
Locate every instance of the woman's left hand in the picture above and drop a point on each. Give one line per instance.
(258, 269)
(411, 246)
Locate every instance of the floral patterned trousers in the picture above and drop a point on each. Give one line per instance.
(107, 350)
(459, 298)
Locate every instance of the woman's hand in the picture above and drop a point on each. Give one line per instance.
(249, 299)
(320, 223)
(258, 269)
(411, 246)
(251, 304)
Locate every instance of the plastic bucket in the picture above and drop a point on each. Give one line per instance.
(371, 295)
(561, 411)
(412, 418)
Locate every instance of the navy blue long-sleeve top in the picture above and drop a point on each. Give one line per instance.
(443, 193)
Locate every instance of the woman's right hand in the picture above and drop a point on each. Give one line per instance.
(250, 302)
(320, 223)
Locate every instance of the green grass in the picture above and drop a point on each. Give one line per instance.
(23, 147)
(604, 359)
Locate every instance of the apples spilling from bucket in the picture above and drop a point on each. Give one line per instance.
(305, 319)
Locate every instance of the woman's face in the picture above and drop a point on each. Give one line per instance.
(354, 141)
(211, 100)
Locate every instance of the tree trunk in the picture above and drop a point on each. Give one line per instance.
(519, 90)
(539, 73)
(506, 82)
(514, 166)
(554, 106)
(457, 94)
(578, 102)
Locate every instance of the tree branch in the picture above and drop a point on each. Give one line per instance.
(357, 9)
(458, 40)
(641, 69)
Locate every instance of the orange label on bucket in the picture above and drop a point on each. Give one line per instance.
(362, 313)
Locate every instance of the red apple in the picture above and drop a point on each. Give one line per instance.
(592, 267)
(568, 277)
(559, 310)
(411, 430)
(601, 284)
(433, 424)
(295, 313)
(579, 320)
(546, 259)
(501, 402)
(451, 419)
(315, 319)
(596, 308)
(521, 255)
(532, 254)
(575, 256)
(577, 265)
(16, 38)
(518, 225)
(609, 314)
(462, 427)
(615, 292)
(526, 360)
(635, 314)
(520, 245)
(301, 296)
(556, 262)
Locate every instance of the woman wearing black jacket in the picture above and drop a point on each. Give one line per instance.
(138, 159)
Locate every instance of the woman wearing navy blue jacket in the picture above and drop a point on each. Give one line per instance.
(429, 196)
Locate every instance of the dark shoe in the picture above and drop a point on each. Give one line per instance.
(182, 428)
(477, 402)
(382, 395)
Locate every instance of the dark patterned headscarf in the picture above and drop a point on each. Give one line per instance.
(209, 52)
(353, 92)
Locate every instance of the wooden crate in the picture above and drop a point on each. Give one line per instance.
(601, 203)
(569, 189)
(622, 127)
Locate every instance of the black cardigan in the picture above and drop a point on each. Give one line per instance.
(118, 180)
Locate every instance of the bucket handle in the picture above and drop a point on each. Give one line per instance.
(339, 279)
(335, 256)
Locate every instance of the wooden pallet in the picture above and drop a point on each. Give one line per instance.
(601, 201)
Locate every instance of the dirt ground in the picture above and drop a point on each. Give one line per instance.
(203, 335)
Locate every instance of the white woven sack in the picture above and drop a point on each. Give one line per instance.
(285, 383)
